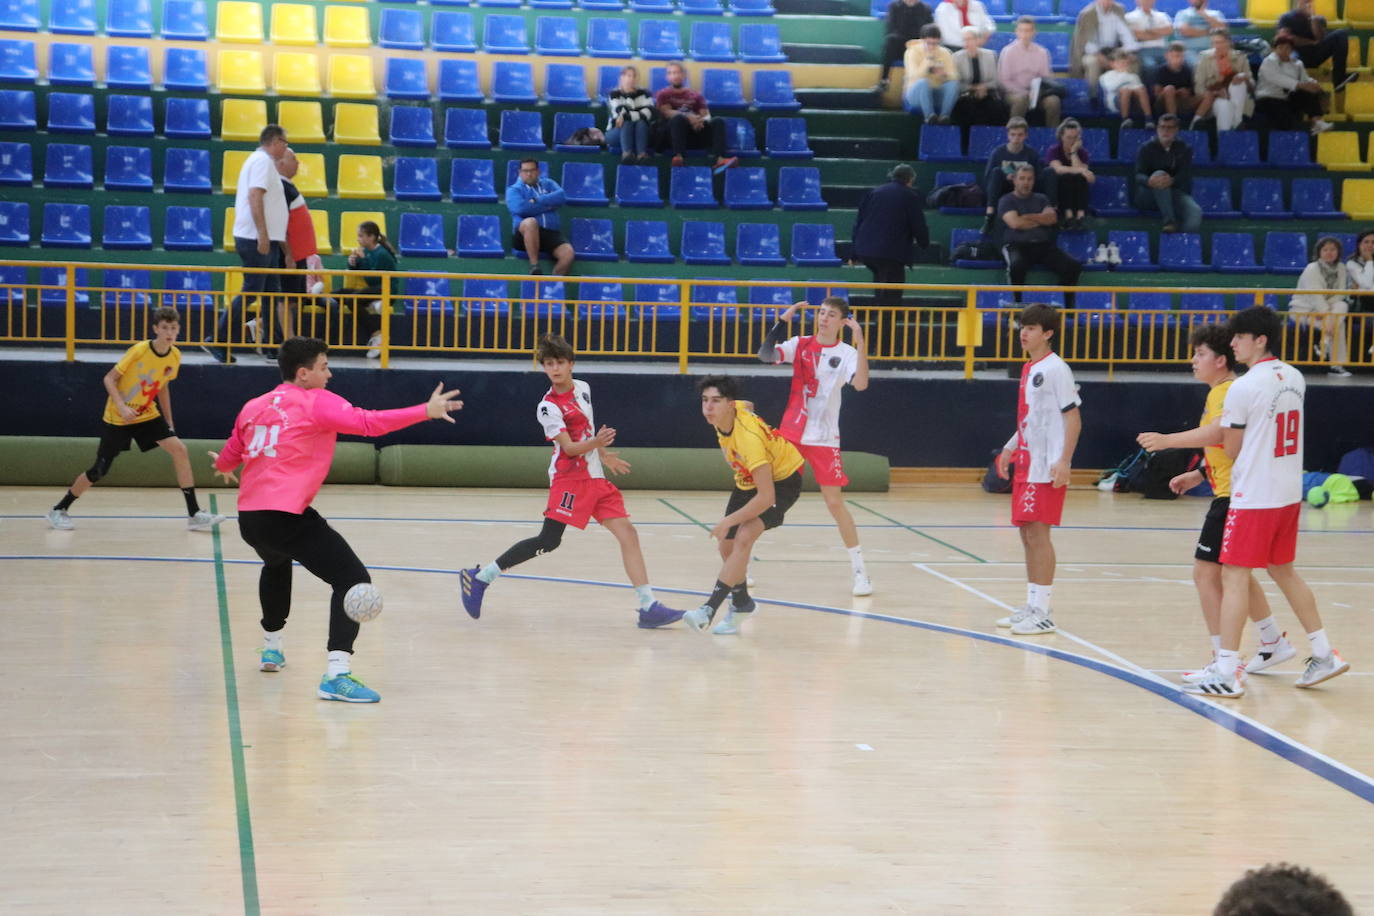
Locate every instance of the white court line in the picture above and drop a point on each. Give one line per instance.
(1266, 674)
(1125, 565)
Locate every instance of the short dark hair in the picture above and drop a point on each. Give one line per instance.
(1283, 38)
(1257, 320)
(166, 313)
(299, 353)
(838, 303)
(1178, 46)
(553, 346)
(1215, 337)
(1282, 890)
(1044, 317)
(271, 132)
(930, 30)
(726, 385)
(1323, 242)
(1166, 118)
(523, 161)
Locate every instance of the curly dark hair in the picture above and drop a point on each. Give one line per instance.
(1282, 890)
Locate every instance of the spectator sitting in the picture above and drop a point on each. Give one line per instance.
(631, 114)
(1223, 83)
(1151, 29)
(1314, 44)
(1002, 166)
(1101, 27)
(1285, 93)
(1360, 270)
(1327, 276)
(1121, 88)
(953, 16)
(1028, 239)
(1164, 178)
(930, 72)
(1073, 177)
(533, 202)
(1019, 65)
(1193, 26)
(905, 19)
(374, 255)
(1173, 82)
(1282, 890)
(980, 96)
(889, 221)
(687, 121)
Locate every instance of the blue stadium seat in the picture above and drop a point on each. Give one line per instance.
(186, 171)
(716, 302)
(660, 39)
(406, 79)
(453, 32)
(188, 229)
(19, 16)
(747, 189)
(759, 245)
(422, 236)
(128, 168)
(740, 140)
(129, 18)
(1098, 145)
(128, 68)
(184, 20)
(1135, 250)
(1129, 141)
(505, 3)
(1199, 143)
(637, 186)
(565, 84)
(126, 287)
(982, 140)
(412, 126)
(404, 29)
(596, 299)
(556, 36)
(701, 8)
(129, 116)
(998, 40)
(1077, 101)
(431, 294)
(608, 38)
(485, 297)
(751, 8)
(799, 188)
(940, 143)
(1238, 149)
(512, 82)
(1058, 45)
(513, 170)
(614, 6)
(185, 70)
(1289, 149)
(1082, 247)
(66, 226)
(712, 41)
(785, 138)
(723, 89)
(1285, 252)
(503, 34)
(1182, 251)
(1234, 253)
(646, 242)
(773, 91)
(12, 280)
(17, 109)
(56, 279)
(187, 289)
(1148, 310)
(1042, 10)
(958, 237)
(1347, 243)
(14, 223)
(584, 183)
(522, 130)
(188, 118)
(651, 6)
(760, 43)
(607, 78)
(1111, 196)
(70, 64)
(1041, 138)
(813, 245)
(18, 61)
(944, 179)
(1261, 198)
(1205, 302)
(128, 228)
(1314, 198)
(689, 188)
(1230, 10)
(480, 236)
(1213, 195)
(72, 17)
(417, 178)
(657, 301)
(16, 164)
(779, 296)
(472, 181)
(459, 81)
(68, 165)
(551, 4)
(543, 297)
(593, 239)
(567, 123)
(466, 128)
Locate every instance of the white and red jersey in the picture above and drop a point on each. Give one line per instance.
(570, 412)
(1266, 402)
(285, 441)
(1047, 392)
(819, 374)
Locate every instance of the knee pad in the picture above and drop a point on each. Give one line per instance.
(99, 469)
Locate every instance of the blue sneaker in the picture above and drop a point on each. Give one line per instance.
(347, 688)
(657, 615)
(272, 660)
(473, 590)
(699, 618)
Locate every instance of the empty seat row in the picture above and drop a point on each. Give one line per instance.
(123, 287)
(125, 227)
(182, 20)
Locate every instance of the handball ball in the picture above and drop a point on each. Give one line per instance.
(1318, 497)
(363, 602)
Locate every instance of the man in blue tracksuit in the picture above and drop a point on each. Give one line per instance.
(533, 203)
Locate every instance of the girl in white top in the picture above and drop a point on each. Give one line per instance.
(1359, 270)
(1327, 275)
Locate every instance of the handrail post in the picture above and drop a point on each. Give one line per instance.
(684, 307)
(386, 323)
(70, 278)
(970, 330)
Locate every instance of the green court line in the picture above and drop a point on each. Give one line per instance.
(247, 860)
(701, 525)
(929, 537)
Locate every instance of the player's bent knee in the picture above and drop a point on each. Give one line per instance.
(173, 446)
(99, 469)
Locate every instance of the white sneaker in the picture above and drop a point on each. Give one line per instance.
(203, 521)
(1192, 677)
(699, 618)
(1016, 616)
(1270, 654)
(727, 627)
(862, 584)
(1102, 256)
(1339, 372)
(374, 345)
(1320, 126)
(1113, 254)
(1322, 669)
(1216, 684)
(1039, 623)
(59, 519)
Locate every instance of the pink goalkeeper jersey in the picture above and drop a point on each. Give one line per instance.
(285, 441)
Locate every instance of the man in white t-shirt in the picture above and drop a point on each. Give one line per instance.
(1151, 29)
(260, 218)
(1047, 428)
(1262, 425)
(822, 365)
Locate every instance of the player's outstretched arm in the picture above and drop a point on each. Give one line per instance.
(768, 353)
(1200, 437)
(442, 403)
(226, 475)
(335, 414)
(856, 331)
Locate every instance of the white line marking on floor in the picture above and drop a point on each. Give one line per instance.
(863, 747)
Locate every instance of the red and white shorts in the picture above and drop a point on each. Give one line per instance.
(573, 502)
(1036, 502)
(825, 464)
(1257, 538)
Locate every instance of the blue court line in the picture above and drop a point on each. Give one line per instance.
(1333, 771)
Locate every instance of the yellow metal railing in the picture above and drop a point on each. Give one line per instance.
(71, 312)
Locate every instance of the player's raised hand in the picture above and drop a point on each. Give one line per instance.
(604, 437)
(1151, 442)
(855, 329)
(1185, 482)
(227, 476)
(442, 403)
(1059, 474)
(612, 462)
(791, 310)
(1004, 464)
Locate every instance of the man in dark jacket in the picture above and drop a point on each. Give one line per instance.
(1164, 178)
(904, 21)
(889, 220)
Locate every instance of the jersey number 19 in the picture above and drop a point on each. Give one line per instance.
(264, 441)
(1286, 434)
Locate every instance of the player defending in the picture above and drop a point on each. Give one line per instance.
(1214, 364)
(768, 480)
(1262, 432)
(1047, 428)
(578, 489)
(285, 441)
(139, 409)
(821, 365)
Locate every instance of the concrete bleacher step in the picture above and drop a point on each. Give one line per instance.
(857, 147)
(844, 196)
(812, 7)
(863, 99)
(825, 54)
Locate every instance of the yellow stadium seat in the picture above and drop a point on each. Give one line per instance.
(356, 124)
(294, 24)
(242, 119)
(360, 177)
(350, 77)
(347, 27)
(1359, 100)
(228, 228)
(322, 243)
(1266, 12)
(1339, 150)
(1328, 9)
(237, 20)
(348, 226)
(241, 72)
(233, 164)
(1357, 198)
(303, 121)
(1360, 13)
(311, 179)
(296, 73)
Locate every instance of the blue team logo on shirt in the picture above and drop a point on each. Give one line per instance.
(1037, 379)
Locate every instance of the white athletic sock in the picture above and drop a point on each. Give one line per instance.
(1039, 596)
(856, 559)
(340, 662)
(1269, 630)
(1321, 646)
(644, 594)
(1216, 645)
(271, 640)
(1228, 662)
(489, 572)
